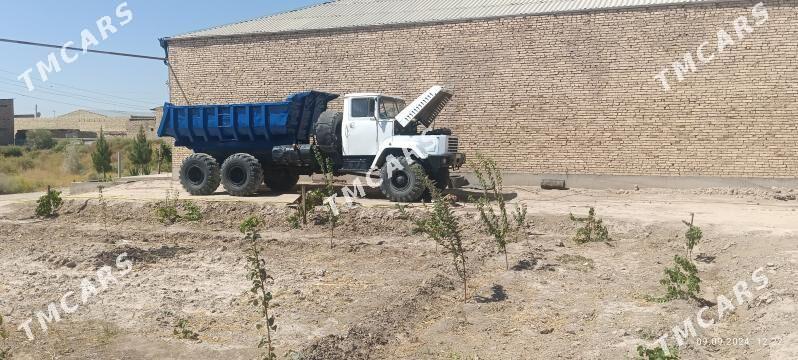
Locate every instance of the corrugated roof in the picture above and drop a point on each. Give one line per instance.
(361, 13)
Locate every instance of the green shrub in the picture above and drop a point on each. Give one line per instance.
(497, 225)
(166, 210)
(193, 212)
(40, 139)
(5, 352)
(593, 229)
(11, 151)
(182, 331)
(257, 275)
(693, 236)
(442, 226)
(644, 353)
(49, 203)
(72, 159)
(681, 281)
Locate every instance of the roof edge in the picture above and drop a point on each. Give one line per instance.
(683, 3)
(180, 36)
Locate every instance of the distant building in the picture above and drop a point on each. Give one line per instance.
(88, 122)
(6, 121)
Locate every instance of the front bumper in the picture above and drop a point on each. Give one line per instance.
(457, 160)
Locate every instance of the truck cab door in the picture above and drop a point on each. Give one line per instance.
(360, 127)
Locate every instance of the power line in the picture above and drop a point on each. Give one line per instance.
(81, 49)
(81, 97)
(165, 60)
(80, 89)
(4, 81)
(55, 101)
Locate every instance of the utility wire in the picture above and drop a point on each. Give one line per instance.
(55, 101)
(7, 82)
(81, 49)
(165, 60)
(39, 82)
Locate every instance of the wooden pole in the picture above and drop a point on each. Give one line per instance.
(304, 208)
(118, 165)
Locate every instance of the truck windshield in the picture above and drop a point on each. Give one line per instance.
(389, 108)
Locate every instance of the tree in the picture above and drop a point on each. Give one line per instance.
(442, 226)
(101, 157)
(40, 139)
(140, 154)
(497, 225)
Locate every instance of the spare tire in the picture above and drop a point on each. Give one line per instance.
(200, 174)
(241, 175)
(328, 132)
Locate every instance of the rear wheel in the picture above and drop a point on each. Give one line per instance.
(200, 174)
(402, 183)
(282, 181)
(242, 175)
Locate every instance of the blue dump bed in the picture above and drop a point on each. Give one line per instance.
(234, 128)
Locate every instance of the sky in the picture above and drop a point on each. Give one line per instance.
(103, 82)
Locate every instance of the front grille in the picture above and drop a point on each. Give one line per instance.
(454, 144)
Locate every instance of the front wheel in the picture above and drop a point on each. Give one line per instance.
(241, 175)
(402, 182)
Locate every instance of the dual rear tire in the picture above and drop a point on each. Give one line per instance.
(240, 174)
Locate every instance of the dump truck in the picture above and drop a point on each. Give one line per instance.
(241, 146)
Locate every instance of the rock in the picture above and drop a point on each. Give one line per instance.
(559, 243)
(547, 331)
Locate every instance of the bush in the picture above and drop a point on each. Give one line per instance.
(681, 281)
(593, 230)
(11, 151)
(497, 225)
(72, 159)
(40, 139)
(644, 353)
(442, 226)
(182, 331)
(49, 203)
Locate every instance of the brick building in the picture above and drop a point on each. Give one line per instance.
(113, 123)
(627, 90)
(6, 122)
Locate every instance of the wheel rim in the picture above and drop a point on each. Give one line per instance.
(237, 175)
(195, 175)
(400, 180)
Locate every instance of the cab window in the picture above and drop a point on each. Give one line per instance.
(389, 108)
(362, 108)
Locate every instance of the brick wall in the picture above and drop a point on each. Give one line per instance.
(569, 93)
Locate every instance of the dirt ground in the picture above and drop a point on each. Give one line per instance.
(385, 292)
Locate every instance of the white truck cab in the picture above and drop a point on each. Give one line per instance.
(375, 128)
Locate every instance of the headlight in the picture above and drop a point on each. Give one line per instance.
(430, 146)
